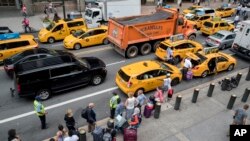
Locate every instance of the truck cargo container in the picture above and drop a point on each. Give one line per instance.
(142, 34)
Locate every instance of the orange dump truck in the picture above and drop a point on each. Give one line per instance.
(142, 34)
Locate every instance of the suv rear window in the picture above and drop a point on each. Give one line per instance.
(208, 24)
(123, 75)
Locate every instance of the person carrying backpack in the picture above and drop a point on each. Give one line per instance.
(115, 99)
(89, 114)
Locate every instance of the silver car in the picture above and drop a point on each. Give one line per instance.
(223, 39)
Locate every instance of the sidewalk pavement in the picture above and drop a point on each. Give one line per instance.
(13, 18)
(206, 120)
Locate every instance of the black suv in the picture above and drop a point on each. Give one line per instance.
(56, 74)
(30, 55)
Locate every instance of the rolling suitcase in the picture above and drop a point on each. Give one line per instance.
(130, 134)
(121, 123)
(147, 111)
(189, 75)
(97, 134)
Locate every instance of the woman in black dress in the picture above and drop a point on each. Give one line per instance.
(69, 119)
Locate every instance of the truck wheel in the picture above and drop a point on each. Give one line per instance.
(132, 52)
(51, 40)
(145, 49)
(105, 41)
(44, 94)
(77, 46)
(191, 37)
(156, 44)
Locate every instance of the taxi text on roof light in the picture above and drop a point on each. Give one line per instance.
(176, 37)
(8, 36)
(209, 50)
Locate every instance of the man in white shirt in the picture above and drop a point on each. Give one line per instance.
(187, 66)
(71, 137)
(169, 55)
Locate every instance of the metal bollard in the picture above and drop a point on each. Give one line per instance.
(177, 102)
(210, 90)
(245, 95)
(238, 77)
(195, 95)
(82, 135)
(248, 75)
(231, 102)
(157, 110)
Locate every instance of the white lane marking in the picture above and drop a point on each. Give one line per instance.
(91, 51)
(115, 63)
(58, 104)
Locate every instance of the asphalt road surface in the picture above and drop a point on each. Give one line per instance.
(18, 112)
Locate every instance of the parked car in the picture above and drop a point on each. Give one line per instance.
(191, 9)
(223, 39)
(215, 25)
(45, 77)
(30, 55)
(224, 12)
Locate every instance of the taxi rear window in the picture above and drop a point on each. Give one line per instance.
(163, 46)
(208, 24)
(202, 57)
(123, 75)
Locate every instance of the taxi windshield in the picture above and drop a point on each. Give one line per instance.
(78, 33)
(218, 35)
(51, 26)
(163, 46)
(194, 18)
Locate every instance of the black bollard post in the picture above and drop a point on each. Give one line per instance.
(238, 77)
(82, 135)
(248, 75)
(157, 110)
(231, 102)
(111, 124)
(195, 95)
(245, 95)
(177, 102)
(210, 90)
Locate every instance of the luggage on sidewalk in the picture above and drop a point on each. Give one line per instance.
(147, 111)
(121, 123)
(189, 75)
(170, 92)
(97, 134)
(130, 134)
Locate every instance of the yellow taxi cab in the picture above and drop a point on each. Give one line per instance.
(197, 21)
(224, 12)
(84, 38)
(179, 46)
(191, 9)
(146, 76)
(15, 44)
(215, 25)
(205, 64)
(59, 30)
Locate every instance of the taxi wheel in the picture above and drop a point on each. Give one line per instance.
(204, 74)
(44, 94)
(230, 67)
(51, 40)
(105, 41)
(177, 59)
(132, 52)
(156, 44)
(145, 49)
(192, 37)
(77, 46)
(175, 81)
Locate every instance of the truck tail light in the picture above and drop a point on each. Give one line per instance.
(129, 84)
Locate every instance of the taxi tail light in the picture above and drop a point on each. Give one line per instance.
(129, 84)
(18, 88)
(196, 68)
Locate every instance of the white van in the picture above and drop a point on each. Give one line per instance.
(204, 11)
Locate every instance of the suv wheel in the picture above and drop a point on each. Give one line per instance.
(44, 94)
(97, 79)
(77, 46)
(51, 40)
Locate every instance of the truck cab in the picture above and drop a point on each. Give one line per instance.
(93, 15)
